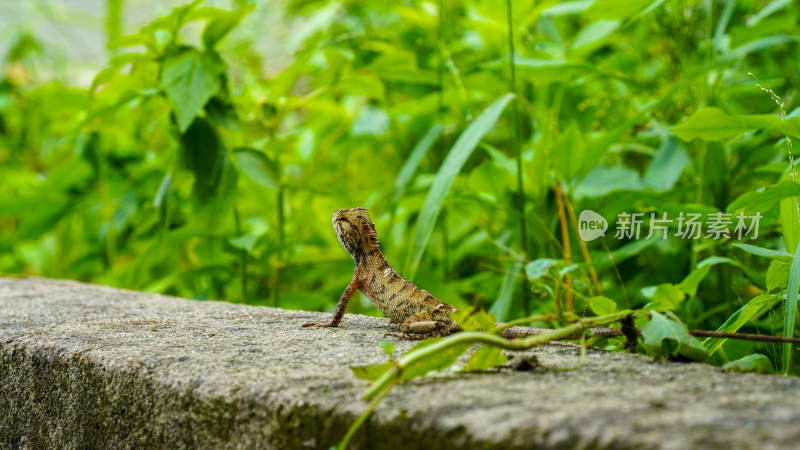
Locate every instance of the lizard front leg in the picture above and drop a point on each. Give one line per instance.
(349, 291)
(420, 326)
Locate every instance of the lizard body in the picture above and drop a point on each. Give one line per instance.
(397, 298)
(419, 313)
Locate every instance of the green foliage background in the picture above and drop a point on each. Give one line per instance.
(196, 166)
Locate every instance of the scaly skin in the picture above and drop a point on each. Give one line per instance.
(393, 295)
(418, 312)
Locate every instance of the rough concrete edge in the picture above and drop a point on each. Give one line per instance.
(54, 397)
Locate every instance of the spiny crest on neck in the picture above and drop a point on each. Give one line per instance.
(355, 232)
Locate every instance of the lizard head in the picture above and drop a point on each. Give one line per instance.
(355, 231)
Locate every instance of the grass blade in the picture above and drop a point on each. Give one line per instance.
(413, 160)
(450, 168)
(502, 307)
(791, 310)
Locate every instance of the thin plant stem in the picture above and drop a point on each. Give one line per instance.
(363, 417)
(562, 220)
(474, 337)
(616, 272)
(523, 227)
(242, 254)
(584, 250)
(791, 310)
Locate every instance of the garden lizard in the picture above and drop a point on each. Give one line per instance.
(419, 313)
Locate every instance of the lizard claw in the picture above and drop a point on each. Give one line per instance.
(313, 324)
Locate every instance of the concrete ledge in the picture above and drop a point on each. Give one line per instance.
(85, 366)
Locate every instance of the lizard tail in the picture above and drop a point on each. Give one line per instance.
(521, 332)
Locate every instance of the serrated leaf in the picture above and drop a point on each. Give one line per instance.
(190, 79)
(372, 373)
(484, 358)
(777, 275)
(712, 124)
(257, 167)
(756, 363)
(474, 319)
(664, 337)
(602, 306)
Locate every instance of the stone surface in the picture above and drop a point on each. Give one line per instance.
(85, 366)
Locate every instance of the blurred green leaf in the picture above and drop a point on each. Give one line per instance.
(202, 153)
(602, 306)
(771, 8)
(411, 164)
(567, 154)
(790, 219)
(161, 198)
(667, 166)
(502, 306)
(257, 167)
(485, 357)
(754, 47)
(765, 252)
(713, 124)
(474, 319)
(777, 275)
(763, 200)
(666, 336)
(388, 347)
(371, 121)
(738, 319)
(433, 362)
(756, 363)
(190, 79)
(668, 296)
(223, 23)
(593, 34)
(539, 267)
(450, 168)
(791, 310)
(372, 373)
(611, 9)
